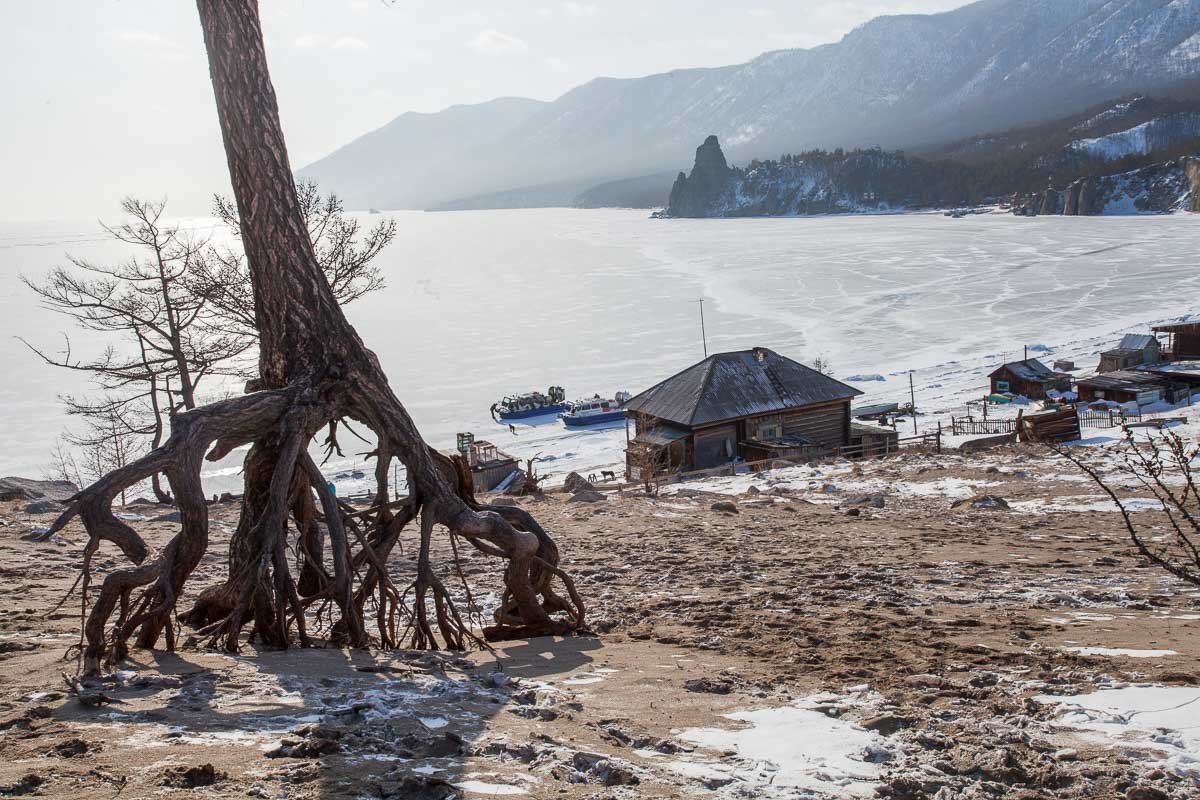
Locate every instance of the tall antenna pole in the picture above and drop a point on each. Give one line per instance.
(703, 335)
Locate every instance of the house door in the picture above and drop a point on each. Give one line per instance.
(716, 447)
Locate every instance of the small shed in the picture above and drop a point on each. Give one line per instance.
(746, 405)
(1131, 386)
(488, 464)
(1134, 350)
(1030, 378)
(873, 440)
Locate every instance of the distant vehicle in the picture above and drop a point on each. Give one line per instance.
(530, 404)
(957, 213)
(595, 410)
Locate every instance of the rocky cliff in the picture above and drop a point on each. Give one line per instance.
(1156, 189)
(817, 182)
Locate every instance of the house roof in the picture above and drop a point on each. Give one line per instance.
(1125, 379)
(1136, 341)
(1178, 327)
(739, 384)
(1030, 370)
(660, 436)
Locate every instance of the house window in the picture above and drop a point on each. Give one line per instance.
(1001, 386)
(770, 430)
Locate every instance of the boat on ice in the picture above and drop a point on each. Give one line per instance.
(530, 404)
(595, 410)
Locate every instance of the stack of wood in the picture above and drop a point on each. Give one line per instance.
(1053, 426)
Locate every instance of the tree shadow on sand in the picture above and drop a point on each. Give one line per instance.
(332, 723)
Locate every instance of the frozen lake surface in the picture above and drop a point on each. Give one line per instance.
(483, 304)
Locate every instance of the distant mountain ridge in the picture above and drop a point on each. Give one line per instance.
(897, 81)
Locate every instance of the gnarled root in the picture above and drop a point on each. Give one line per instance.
(280, 482)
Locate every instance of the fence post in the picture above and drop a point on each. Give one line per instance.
(939, 437)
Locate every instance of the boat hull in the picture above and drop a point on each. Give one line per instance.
(531, 412)
(593, 419)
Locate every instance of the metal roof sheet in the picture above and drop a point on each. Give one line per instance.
(1136, 341)
(1123, 379)
(739, 384)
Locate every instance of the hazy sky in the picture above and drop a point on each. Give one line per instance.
(104, 98)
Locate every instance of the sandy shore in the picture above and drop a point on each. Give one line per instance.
(846, 633)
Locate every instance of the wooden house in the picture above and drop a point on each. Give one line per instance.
(1131, 386)
(1134, 350)
(750, 405)
(1183, 340)
(1030, 378)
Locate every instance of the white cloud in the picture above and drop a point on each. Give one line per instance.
(358, 6)
(574, 9)
(495, 42)
(557, 64)
(762, 12)
(350, 43)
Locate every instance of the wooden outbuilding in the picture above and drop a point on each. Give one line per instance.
(1030, 378)
(1183, 340)
(489, 465)
(1134, 350)
(1132, 386)
(749, 405)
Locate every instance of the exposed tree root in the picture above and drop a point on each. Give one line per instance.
(344, 552)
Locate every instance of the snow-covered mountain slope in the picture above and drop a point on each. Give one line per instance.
(416, 156)
(893, 82)
(1159, 133)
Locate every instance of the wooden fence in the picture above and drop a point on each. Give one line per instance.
(970, 426)
(1108, 418)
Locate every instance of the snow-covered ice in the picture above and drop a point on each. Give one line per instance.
(598, 301)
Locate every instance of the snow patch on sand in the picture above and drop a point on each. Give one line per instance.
(1120, 651)
(792, 747)
(1159, 721)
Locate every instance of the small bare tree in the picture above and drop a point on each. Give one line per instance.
(345, 253)
(823, 365)
(160, 343)
(1162, 465)
(645, 465)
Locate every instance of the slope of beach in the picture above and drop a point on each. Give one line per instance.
(848, 631)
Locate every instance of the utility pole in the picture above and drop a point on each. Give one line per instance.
(912, 397)
(703, 335)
